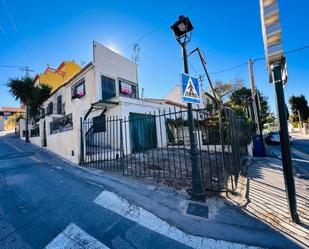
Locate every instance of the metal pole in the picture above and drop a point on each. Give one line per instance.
(197, 183)
(81, 158)
(284, 142)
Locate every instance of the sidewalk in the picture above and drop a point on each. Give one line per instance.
(299, 135)
(266, 198)
(219, 221)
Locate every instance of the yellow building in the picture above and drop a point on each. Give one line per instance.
(56, 77)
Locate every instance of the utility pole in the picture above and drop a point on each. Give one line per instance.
(256, 106)
(299, 122)
(135, 58)
(284, 141)
(253, 94)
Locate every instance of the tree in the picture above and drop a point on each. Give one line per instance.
(299, 103)
(39, 95)
(240, 102)
(24, 90)
(13, 119)
(224, 90)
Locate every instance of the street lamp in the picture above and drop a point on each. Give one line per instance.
(182, 29)
(276, 64)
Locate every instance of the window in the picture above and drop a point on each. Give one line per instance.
(59, 104)
(108, 88)
(127, 89)
(43, 112)
(50, 108)
(78, 90)
(99, 124)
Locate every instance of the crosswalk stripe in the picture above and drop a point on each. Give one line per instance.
(74, 237)
(117, 204)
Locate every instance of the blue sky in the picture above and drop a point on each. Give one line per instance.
(37, 33)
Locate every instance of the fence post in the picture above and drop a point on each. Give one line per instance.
(222, 150)
(81, 159)
(121, 146)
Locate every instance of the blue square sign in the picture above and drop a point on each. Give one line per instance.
(190, 89)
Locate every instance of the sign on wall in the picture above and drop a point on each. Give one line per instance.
(190, 89)
(125, 88)
(80, 91)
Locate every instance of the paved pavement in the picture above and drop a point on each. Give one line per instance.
(266, 196)
(47, 202)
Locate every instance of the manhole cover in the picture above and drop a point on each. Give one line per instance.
(197, 210)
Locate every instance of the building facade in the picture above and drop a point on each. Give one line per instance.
(104, 89)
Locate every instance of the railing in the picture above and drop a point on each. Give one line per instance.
(157, 145)
(61, 124)
(35, 132)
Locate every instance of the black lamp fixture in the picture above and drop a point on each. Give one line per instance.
(181, 28)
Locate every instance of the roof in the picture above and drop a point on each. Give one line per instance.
(56, 77)
(210, 96)
(11, 109)
(167, 102)
(89, 65)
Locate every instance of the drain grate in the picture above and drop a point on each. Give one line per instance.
(197, 210)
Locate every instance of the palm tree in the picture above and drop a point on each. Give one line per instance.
(24, 90)
(39, 95)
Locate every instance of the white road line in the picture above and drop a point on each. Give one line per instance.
(117, 204)
(74, 237)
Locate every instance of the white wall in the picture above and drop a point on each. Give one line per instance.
(112, 65)
(35, 140)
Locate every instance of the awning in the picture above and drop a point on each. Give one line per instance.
(100, 105)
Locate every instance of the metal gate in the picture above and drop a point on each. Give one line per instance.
(157, 145)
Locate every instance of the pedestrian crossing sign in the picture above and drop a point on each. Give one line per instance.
(190, 89)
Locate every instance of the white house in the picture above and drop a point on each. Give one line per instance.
(103, 91)
(173, 97)
(97, 114)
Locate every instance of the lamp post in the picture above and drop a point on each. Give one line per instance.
(182, 30)
(276, 65)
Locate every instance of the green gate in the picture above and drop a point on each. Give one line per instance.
(143, 133)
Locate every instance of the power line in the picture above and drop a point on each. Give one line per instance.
(10, 66)
(142, 37)
(26, 69)
(297, 49)
(257, 59)
(229, 69)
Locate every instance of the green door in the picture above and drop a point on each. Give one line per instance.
(143, 133)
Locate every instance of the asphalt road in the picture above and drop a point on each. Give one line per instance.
(39, 200)
(47, 203)
(300, 156)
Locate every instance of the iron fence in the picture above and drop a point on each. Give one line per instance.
(157, 145)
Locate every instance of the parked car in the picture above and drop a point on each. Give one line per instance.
(274, 138)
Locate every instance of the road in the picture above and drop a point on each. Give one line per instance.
(300, 155)
(40, 202)
(46, 202)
